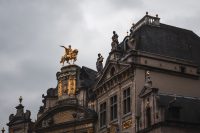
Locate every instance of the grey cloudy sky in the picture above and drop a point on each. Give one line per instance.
(32, 30)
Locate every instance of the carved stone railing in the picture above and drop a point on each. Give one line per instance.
(146, 20)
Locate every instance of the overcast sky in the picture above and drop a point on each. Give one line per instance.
(32, 30)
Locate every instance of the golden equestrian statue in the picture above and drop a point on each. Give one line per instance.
(69, 55)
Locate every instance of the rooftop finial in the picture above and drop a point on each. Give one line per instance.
(147, 73)
(127, 33)
(147, 13)
(20, 99)
(3, 130)
(156, 15)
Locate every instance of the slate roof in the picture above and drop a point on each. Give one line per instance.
(189, 108)
(91, 73)
(87, 77)
(169, 41)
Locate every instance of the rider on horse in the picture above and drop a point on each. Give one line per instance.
(69, 55)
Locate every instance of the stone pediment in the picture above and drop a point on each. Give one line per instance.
(64, 115)
(146, 91)
(111, 69)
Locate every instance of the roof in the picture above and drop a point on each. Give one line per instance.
(87, 77)
(189, 108)
(169, 41)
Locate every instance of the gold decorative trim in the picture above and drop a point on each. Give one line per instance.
(60, 88)
(127, 124)
(71, 85)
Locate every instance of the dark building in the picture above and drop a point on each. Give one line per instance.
(20, 122)
(149, 83)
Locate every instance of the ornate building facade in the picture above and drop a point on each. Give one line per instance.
(149, 83)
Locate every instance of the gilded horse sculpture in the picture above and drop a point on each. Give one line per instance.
(69, 55)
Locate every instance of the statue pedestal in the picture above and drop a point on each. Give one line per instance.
(68, 80)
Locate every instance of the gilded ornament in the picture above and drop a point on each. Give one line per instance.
(70, 55)
(127, 124)
(71, 85)
(59, 88)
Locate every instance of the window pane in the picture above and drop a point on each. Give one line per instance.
(126, 101)
(111, 113)
(128, 105)
(115, 99)
(124, 106)
(113, 107)
(128, 92)
(103, 114)
(124, 93)
(115, 111)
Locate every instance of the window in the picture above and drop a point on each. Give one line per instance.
(103, 114)
(182, 69)
(174, 112)
(126, 101)
(113, 107)
(148, 116)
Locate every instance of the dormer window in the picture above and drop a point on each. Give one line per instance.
(174, 112)
(182, 69)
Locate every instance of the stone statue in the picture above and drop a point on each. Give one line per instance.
(99, 63)
(41, 109)
(11, 117)
(27, 114)
(115, 42)
(132, 29)
(69, 55)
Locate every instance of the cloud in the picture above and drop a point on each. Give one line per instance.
(28, 30)
(126, 4)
